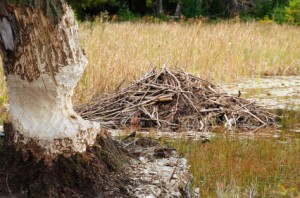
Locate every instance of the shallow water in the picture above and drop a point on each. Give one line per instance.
(281, 95)
(271, 92)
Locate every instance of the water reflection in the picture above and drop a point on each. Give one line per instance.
(272, 92)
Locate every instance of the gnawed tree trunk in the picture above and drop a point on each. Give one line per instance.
(43, 63)
(49, 150)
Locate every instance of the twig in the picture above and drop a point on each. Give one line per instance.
(6, 180)
(152, 190)
(243, 106)
(258, 128)
(173, 98)
(174, 169)
(247, 111)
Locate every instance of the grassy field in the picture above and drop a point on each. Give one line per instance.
(222, 52)
(226, 167)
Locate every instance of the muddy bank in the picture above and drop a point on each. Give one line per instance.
(136, 167)
(158, 170)
(98, 172)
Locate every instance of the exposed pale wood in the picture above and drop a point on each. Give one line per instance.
(43, 62)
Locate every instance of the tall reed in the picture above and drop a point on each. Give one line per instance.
(221, 52)
(3, 90)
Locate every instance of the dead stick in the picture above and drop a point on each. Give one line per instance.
(6, 180)
(244, 106)
(247, 111)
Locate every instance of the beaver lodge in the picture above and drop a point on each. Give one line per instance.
(172, 99)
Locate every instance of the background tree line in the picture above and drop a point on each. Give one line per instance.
(281, 11)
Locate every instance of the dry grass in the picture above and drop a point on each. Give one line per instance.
(3, 89)
(219, 52)
(235, 167)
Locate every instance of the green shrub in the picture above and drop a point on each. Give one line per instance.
(279, 14)
(261, 9)
(86, 9)
(292, 12)
(192, 8)
(124, 13)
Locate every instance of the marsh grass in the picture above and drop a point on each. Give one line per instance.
(231, 166)
(222, 52)
(3, 91)
(289, 119)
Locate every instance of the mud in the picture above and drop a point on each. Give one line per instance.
(100, 172)
(134, 167)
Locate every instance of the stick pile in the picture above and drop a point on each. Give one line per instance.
(174, 99)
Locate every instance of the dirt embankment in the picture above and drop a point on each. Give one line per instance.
(99, 171)
(135, 167)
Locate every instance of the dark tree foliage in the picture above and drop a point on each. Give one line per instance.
(85, 9)
(262, 8)
(256, 9)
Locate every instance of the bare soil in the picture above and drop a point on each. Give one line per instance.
(97, 173)
(133, 167)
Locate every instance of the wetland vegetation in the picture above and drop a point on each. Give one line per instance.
(263, 164)
(253, 166)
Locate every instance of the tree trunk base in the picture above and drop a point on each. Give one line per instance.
(99, 172)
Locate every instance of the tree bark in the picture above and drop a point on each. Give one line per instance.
(160, 8)
(43, 62)
(48, 149)
(98, 172)
(178, 9)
